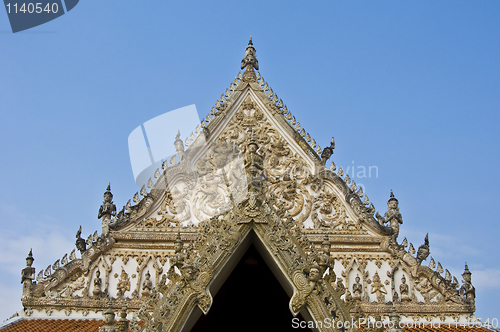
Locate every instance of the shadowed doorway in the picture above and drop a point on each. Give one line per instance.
(251, 299)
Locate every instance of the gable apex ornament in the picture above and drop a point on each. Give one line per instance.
(250, 62)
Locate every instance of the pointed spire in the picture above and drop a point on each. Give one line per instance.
(30, 256)
(123, 323)
(392, 198)
(250, 62)
(466, 270)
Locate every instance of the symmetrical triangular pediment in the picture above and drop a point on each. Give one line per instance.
(248, 174)
(199, 186)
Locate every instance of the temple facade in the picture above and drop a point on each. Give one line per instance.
(249, 178)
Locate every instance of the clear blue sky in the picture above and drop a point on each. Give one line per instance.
(411, 87)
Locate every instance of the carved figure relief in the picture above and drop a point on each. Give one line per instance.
(404, 290)
(425, 288)
(147, 285)
(378, 288)
(282, 175)
(357, 289)
(77, 283)
(123, 284)
(97, 284)
(326, 262)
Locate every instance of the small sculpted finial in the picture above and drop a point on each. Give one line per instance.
(80, 243)
(467, 291)
(107, 209)
(423, 251)
(123, 323)
(250, 62)
(393, 216)
(327, 152)
(109, 318)
(28, 273)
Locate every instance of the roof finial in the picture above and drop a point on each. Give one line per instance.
(327, 152)
(394, 320)
(249, 62)
(109, 318)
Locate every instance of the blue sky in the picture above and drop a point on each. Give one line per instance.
(411, 87)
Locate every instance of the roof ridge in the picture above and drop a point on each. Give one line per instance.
(12, 320)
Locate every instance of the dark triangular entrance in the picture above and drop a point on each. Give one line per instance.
(251, 299)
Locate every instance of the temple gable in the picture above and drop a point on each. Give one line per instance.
(249, 174)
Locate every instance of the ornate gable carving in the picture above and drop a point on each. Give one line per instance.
(249, 173)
